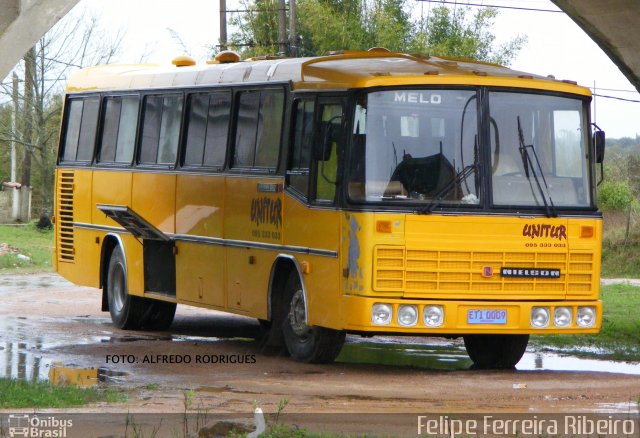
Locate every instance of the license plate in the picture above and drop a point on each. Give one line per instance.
(486, 316)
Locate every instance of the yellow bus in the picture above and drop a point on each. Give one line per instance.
(360, 192)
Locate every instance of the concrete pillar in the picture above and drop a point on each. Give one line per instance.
(25, 204)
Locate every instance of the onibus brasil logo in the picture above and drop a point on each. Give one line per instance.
(24, 425)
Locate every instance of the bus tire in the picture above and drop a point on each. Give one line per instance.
(495, 352)
(158, 315)
(126, 310)
(304, 343)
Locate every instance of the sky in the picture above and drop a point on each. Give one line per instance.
(556, 45)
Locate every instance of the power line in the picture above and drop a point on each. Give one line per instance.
(618, 90)
(604, 96)
(492, 6)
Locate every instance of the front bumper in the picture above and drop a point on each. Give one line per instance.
(358, 310)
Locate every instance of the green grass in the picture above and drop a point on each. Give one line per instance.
(620, 253)
(619, 260)
(23, 394)
(620, 334)
(31, 242)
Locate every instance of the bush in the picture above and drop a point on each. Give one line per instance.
(615, 195)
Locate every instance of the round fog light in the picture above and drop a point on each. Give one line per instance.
(540, 317)
(586, 316)
(381, 314)
(433, 316)
(407, 315)
(562, 316)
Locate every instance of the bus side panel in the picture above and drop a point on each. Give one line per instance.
(153, 196)
(158, 209)
(114, 186)
(316, 229)
(253, 214)
(200, 266)
(110, 187)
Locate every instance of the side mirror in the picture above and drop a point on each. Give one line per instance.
(599, 140)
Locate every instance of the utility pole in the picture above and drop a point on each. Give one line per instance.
(27, 137)
(282, 28)
(223, 25)
(293, 43)
(15, 197)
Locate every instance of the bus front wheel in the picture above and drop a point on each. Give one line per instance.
(304, 343)
(495, 351)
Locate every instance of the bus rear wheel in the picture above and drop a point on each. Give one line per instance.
(126, 310)
(158, 315)
(129, 312)
(304, 343)
(495, 352)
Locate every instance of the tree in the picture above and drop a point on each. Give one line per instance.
(326, 25)
(450, 32)
(76, 41)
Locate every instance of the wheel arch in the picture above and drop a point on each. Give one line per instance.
(282, 267)
(109, 243)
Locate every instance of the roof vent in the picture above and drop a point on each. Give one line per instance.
(183, 61)
(225, 57)
(379, 50)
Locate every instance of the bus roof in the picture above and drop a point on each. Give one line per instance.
(349, 69)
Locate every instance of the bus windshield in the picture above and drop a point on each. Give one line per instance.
(425, 147)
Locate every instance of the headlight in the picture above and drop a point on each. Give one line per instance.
(539, 317)
(407, 315)
(562, 316)
(586, 316)
(433, 316)
(381, 314)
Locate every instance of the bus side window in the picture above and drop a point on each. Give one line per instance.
(327, 170)
(269, 129)
(298, 169)
(161, 129)
(82, 121)
(120, 120)
(259, 127)
(207, 128)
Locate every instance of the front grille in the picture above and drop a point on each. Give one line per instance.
(64, 214)
(420, 272)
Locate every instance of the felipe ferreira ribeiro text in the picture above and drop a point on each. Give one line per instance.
(488, 425)
(181, 358)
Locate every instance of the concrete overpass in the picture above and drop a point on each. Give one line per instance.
(613, 24)
(22, 24)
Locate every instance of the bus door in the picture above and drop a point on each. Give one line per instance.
(253, 199)
(311, 220)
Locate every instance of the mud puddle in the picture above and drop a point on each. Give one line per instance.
(451, 355)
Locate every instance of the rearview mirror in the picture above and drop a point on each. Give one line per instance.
(599, 140)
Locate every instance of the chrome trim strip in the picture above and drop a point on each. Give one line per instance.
(100, 228)
(221, 242)
(256, 245)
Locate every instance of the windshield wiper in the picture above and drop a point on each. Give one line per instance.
(455, 182)
(438, 197)
(528, 164)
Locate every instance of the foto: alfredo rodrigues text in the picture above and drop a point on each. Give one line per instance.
(212, 359)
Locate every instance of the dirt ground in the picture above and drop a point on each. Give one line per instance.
(45, 321)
